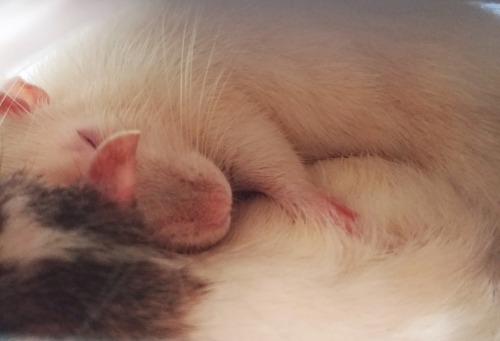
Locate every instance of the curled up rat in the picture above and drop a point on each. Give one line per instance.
(236, 97)
(78, 262)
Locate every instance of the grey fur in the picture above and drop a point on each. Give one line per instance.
(118, 284)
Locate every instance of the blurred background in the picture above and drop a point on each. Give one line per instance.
(29, 28)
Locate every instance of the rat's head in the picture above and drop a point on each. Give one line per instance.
(185, 198)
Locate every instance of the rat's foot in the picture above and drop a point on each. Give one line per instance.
(311, 202)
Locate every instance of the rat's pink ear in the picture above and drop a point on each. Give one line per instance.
(19, 97)
(113, 171)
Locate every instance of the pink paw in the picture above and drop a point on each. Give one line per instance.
(316, 203)
(343, 215)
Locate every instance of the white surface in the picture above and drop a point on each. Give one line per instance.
(29, 27)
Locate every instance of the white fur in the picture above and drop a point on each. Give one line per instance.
(421, 271)
(223, 90)
(412, 80)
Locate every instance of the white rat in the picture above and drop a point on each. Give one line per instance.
(427, 266)
(226, 95)
(78, 262)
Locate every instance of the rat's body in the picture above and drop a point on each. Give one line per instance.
(230, 94)
(427, 266)
(74, 264)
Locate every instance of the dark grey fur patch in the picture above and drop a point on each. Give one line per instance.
(82, 208)
(89, 299)
(115, 294)
(2, 219)
(79, 208)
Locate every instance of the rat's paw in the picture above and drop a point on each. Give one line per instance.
(310, 202)
(335, 209)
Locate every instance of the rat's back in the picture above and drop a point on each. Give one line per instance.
(409, 80)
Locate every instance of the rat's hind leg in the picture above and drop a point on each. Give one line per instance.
(261, 159)
(302, 199)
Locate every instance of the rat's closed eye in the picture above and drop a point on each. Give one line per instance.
(91, 137)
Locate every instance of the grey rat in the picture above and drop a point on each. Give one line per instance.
(234, 97)
(78, 262)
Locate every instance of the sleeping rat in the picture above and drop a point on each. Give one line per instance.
(232, 97)
(425, 268)
(79, 262)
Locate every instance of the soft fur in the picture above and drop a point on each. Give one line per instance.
(229, 93)
(426, 268)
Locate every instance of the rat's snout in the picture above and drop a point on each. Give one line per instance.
(187, 202)
(212, 206)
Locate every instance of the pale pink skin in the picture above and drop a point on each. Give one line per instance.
(20, 97)
(192, 202)
(113, 168)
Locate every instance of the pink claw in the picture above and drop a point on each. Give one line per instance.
(314, 202)
(345, 216)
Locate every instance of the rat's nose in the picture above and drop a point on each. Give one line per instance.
(213, 207)
(197, 222)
